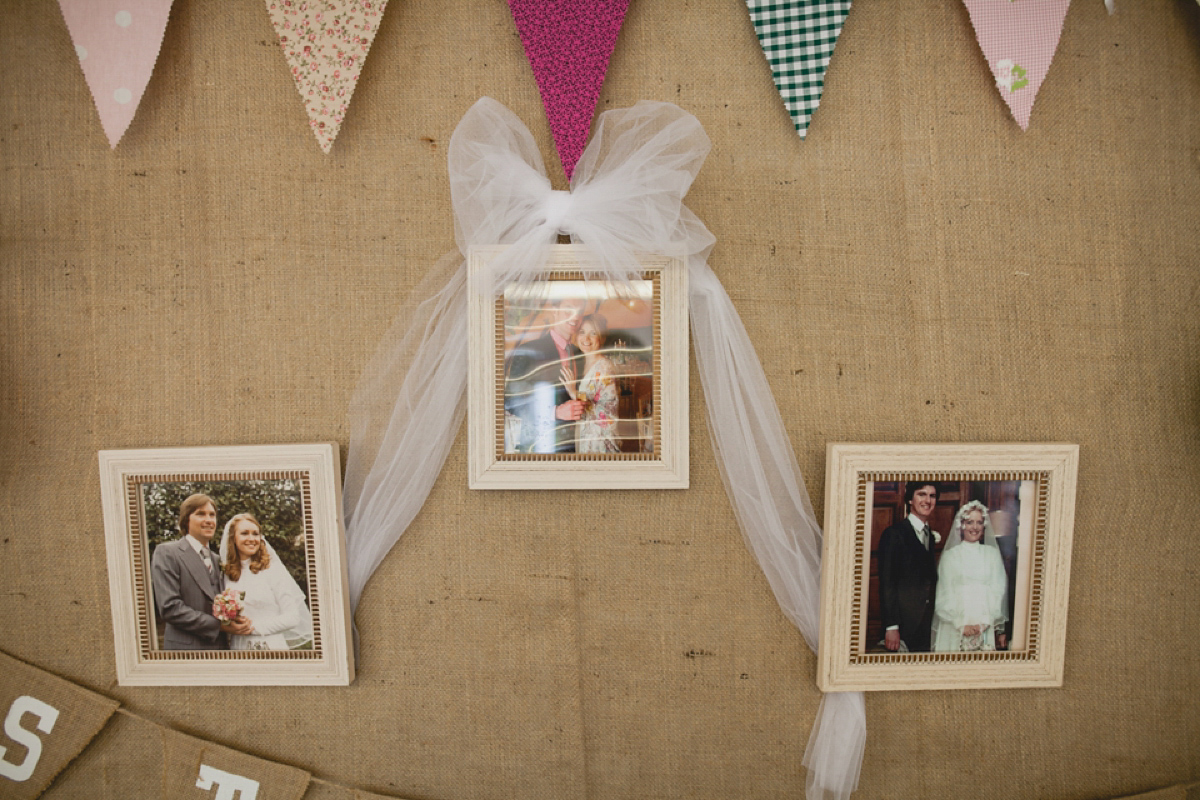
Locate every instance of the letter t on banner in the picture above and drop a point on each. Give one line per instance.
(1018, 39)
(568, 44)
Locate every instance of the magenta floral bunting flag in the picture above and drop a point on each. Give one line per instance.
(1018, 38)
(117, 42)
(569, 43)
(325, 43)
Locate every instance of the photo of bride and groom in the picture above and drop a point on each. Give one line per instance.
(247, 593)
(951, 593)
(577, 366)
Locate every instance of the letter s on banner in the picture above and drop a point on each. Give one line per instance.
(47, 715)
(229, 786)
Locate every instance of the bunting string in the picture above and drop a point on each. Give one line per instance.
(568, 43)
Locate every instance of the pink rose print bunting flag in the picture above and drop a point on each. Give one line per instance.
(569, 43)
(1018, 39)
(117, 42)
(325, 43)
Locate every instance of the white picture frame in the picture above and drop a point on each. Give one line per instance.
(304, 477)
(1044, 478)
(654, 445)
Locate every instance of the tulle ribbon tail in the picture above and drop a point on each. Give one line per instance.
(768, 495)
(399, 441)
(834, 754)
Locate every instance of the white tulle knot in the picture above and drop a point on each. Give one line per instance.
(557, 210)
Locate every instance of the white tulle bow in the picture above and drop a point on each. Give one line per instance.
(626, 199)
(626, 196)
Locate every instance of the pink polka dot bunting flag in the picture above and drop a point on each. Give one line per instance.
(325, 43)
(1018, 39)
(117, 42)
(569, 43)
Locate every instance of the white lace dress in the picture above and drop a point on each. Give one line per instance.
(274, 604)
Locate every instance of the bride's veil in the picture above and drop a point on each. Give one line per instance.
(956, 538)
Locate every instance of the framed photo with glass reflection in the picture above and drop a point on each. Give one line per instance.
(579, 384)
(946, 566)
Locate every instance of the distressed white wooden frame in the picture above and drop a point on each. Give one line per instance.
(139, 661)
(845, 570)
(666, 469)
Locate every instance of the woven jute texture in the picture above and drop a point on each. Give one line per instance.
(55, 720)
(917, 270)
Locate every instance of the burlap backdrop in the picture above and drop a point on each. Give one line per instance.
(917, 270)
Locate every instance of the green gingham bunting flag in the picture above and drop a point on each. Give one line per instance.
(798, 37)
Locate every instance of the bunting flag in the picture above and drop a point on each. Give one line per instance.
(47, 722)
(117, 42)
(568, 44)
(325, 43)
(798, 37)
(191, 764)
(1018, 39)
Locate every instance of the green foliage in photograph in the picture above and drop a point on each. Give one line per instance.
(276, 504)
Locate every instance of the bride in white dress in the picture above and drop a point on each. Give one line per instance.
(596, 430)
(968, 611)
(273, 603)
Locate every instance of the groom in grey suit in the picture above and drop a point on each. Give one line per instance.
(186, 578)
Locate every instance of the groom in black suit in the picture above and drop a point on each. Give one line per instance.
(908, 572)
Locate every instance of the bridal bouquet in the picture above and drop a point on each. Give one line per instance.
(227, 606)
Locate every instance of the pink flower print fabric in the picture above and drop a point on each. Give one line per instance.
(325, 43)
(117, 42)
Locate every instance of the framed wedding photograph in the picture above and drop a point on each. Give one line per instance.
(945, 566)
(575, 383)
(227, 565)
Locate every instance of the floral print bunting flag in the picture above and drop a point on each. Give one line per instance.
(1018, 38)
(325, 43)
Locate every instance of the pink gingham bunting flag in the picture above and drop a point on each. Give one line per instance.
(1018, 38)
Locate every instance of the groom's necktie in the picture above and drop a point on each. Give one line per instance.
(926, 536)
(207, 561)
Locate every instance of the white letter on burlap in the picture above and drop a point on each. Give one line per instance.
(47, 715)
(229, 786)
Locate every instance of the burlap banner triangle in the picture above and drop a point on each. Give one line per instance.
(117, 42)
(320, 790)
(326, 43)
(125, 760)
(194, 769)
(798, 37)
(47, 722)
